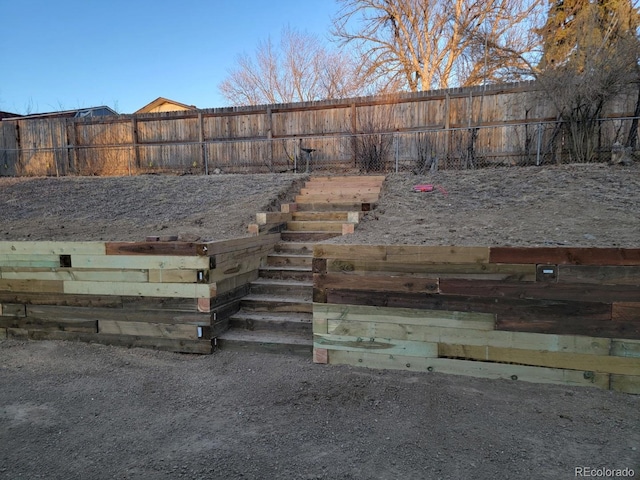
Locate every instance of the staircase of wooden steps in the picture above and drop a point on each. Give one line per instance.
(277, 314)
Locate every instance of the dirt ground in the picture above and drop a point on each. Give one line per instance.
(78, 411)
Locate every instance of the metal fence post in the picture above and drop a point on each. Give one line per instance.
(539, 144)
(397, 152)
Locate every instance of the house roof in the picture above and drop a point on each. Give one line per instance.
(160, 101)
(77, 113)
(8, 115)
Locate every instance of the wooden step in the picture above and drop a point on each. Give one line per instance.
(341, 190)
(282, 288)
(336, 206)
(338, 198)
(270, 303)
(273, 322)
(314, 226)
(290, 236)
(374, 179)
(300, 248)
(337, 216)
(287, 273)
(258, 341)
(290, 259)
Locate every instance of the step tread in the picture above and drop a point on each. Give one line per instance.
(294, 255)
(303, 317)
(260, 336)
(259, 297)
(281, 282)
(298, 268)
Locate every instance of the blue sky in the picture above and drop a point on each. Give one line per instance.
(67, 54)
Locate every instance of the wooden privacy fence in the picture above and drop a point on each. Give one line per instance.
(548, 315)
(174, 296)
(475, 126)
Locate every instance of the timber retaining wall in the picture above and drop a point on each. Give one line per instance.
(549, 315)
(173, 296)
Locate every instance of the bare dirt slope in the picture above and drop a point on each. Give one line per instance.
(215, 207)
(76, 411)
(574, 205)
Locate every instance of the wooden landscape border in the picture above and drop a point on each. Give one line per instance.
(172, 295)
(548, 315)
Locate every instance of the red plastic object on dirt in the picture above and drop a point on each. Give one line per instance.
(428, 188)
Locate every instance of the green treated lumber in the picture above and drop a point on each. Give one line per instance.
(137, 262)
(27, 260)
(475, 369)
(542, 358)
(181, 290)
(625, 348)
(380, 345)
(626, 383)
(406, 316)
(495, 338)
(74, 274)
(52, 248)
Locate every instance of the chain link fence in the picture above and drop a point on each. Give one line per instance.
(521, 144)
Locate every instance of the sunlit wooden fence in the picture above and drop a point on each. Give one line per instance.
(459, 128)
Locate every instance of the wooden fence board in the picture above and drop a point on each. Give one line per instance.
(470, 368)
(566, 255)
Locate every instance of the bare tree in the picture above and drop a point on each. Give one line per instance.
(591, 56)
(426, 44)
(297, 69)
